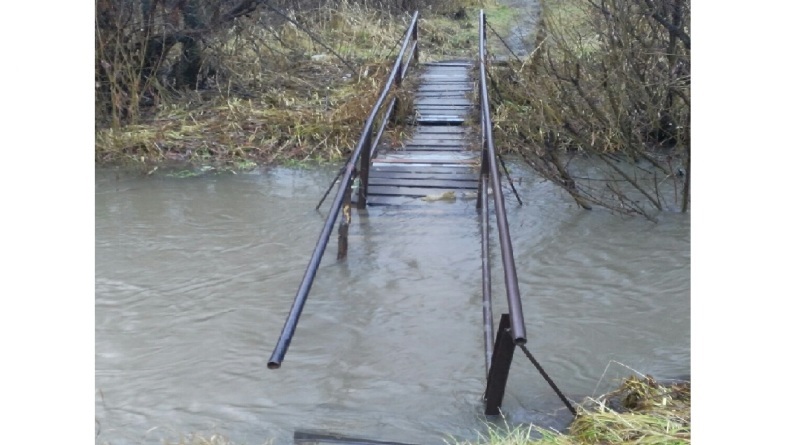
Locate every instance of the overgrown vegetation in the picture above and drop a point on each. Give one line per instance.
(200, 81)
(609, 80)
(601, 107)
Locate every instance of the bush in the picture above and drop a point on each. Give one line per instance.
(609, 79)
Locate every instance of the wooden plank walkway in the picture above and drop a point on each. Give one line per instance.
(437, 161)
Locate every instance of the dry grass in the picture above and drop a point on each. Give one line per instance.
(640, 411)
(274, 91)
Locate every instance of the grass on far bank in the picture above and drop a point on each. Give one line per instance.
(278, 96)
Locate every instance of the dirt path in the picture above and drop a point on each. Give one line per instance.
(521, 36)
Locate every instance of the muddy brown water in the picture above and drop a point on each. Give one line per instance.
(195, 276)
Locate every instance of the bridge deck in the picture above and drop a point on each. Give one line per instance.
(438, 161)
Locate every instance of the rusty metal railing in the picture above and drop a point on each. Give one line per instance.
(361, 156)
(499, 354)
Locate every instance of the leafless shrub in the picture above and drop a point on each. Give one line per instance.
(609, 80)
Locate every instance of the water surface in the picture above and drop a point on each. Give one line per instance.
(194, 278)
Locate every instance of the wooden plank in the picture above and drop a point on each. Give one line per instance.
(426, 183)
(434, 79)
(450, 110)
(436, 143)
(431, 169)
(449, 86)
(471, 176)
(440, 120)
(443, 101)
(410, 191)
(437, 139)
(443, 94)
(426, 162)
(432, 154)
(423, 137)
(451, 61)
(440, 68)
(418, 148)
(441, 104)
(315, 438)
(404, 201)
(444, 112)
(441, 130)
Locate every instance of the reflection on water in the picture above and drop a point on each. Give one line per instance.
(194, 278)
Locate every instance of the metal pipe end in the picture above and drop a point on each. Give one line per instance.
(274, 365)
(520, 341)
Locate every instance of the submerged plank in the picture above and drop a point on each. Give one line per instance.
(421, 169)
(314, 438)
(421, 192)
(471, 184)
(387, 175)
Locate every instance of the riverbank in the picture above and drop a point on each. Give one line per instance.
(296, 91)
(641, 410)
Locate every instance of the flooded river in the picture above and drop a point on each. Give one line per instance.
(195, 276)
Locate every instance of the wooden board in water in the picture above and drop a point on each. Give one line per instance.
(385, 190)
(422, 183)
(312, 438)
(427, 169)
(470, 176)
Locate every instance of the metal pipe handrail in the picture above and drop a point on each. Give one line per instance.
(489, 162)
(296, 310)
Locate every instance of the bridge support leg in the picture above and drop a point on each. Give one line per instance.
(501, 364)
(344, 225)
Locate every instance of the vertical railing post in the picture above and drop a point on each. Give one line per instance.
(415, 38)
(398, 82)
(398, 76)
(501, 363)
(363, 178)
(344, 224)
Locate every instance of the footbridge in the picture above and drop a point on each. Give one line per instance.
(449, 152)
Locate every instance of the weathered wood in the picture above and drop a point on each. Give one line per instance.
(315, 438)
(417, 191)
(375, 176)
(423, 170)
(432, 147)
(439, 138)
(421, 135)
(444, 101)
(455, 62)
(427, 183)
(436, 158)
(449, 87)
(439, 120)
(441, 130)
